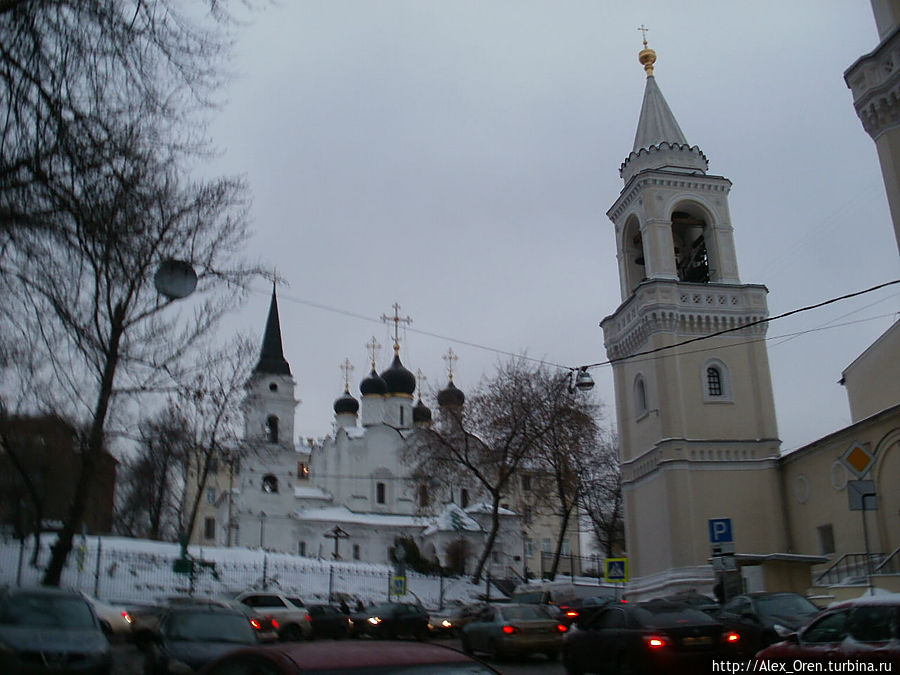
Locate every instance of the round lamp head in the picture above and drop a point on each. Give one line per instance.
(175, 279)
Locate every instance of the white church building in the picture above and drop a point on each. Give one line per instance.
(346, 496)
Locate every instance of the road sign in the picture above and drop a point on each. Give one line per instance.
(858, 459)
(615, 570)
(398, 586)
(861, 495)
(720, 530)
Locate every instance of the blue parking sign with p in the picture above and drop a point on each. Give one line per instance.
(720, 531)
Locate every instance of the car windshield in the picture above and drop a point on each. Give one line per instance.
(210, 626)
(526, 613)
(787, 604)
(387, 608)
(297, 602)
(47, 611)
(667, 614)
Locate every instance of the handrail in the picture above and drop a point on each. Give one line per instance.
(891, 564)
(850, 566)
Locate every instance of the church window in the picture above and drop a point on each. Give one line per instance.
(270, 484)
(545, 545)
(566, 548)
(356, 551)
(526, 482)
(380, 493)
(272, 429)
(209, 528)
(210, 495)
(302, 548)
(716, 382)
(527, 515)
(464, 498)
(401, 415)
(713, 381)
(529, 548)
(273, 386)
(640, 396)
(302, 470)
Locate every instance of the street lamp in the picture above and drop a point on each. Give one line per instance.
(581, 380)
(262, 528)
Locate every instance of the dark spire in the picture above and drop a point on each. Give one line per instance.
(271, 356)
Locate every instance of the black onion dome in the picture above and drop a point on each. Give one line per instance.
(450, 396)
(373, 384)
(421, 413)
(399, 380)
(346, 404)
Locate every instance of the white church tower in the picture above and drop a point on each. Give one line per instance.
(694, 403)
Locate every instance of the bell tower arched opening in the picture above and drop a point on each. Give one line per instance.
(689, 235)
(634, 261)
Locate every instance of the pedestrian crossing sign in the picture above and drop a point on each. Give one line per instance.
(615, 570)
(398, 585)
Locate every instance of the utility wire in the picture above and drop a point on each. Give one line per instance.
(742, 327)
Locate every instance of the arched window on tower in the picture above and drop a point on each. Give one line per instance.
(380, 493)
(272, 429)
(716, 380)
(640, 396)
(270, 484)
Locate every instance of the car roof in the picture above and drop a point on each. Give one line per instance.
(44, 590)
(363, 654)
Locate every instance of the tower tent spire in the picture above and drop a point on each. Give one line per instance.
(271, 356)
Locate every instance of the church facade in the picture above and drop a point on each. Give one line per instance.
(347, 496)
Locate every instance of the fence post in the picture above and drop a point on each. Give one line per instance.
(331, 582)
(441, 592)
(21, 559)
(265, 572)
(97, 567)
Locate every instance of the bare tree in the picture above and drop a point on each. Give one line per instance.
(571, 418)
(601, 495)
(149, 483)
(501, 427)
(104, 103)
(211, 405)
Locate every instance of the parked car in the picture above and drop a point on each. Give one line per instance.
(763, 617)
(583, 610)
(391, 620)
(513, 629)
(294, 621)
(657, 636)
(696, 600)
(266, 625)
(451, 622)
(561, 596)
(51, 630)
(115, 620)
(190, 636)
(364, 658)
(328, 621)
(861, 631)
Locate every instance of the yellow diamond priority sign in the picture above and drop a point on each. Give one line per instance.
(858, 459)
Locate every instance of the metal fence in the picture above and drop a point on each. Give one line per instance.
(126, 570)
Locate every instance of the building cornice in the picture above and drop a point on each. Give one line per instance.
(660, 178)
(685, 310)
(874, 80)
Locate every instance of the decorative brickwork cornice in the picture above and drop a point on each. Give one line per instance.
(875, 82)
(672, 180)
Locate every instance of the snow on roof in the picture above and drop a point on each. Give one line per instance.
(484, 507)
(344, 515)
(310, 493)
(453, 519)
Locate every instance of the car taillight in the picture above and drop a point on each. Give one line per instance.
(309, 618)
(127, 616)
(731, 637)
(561, 628)
(656, 641)
(274, 624)
(572, 614)
(509, 630)
(255, 623)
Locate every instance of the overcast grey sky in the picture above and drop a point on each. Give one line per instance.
(458, 157)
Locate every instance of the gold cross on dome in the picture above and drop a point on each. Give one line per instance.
(397, 320)
(373, 348)
(347, 367)
(644, 30)
(450, 357)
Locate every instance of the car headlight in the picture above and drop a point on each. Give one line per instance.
(447, 624)
(374, 620)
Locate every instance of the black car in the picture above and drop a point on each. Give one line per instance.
(764, 618)
(657, 636)
(328, 621)
(50, 630)
(190, 636)
(391, 620)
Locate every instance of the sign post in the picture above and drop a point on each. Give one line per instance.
(721, 539)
